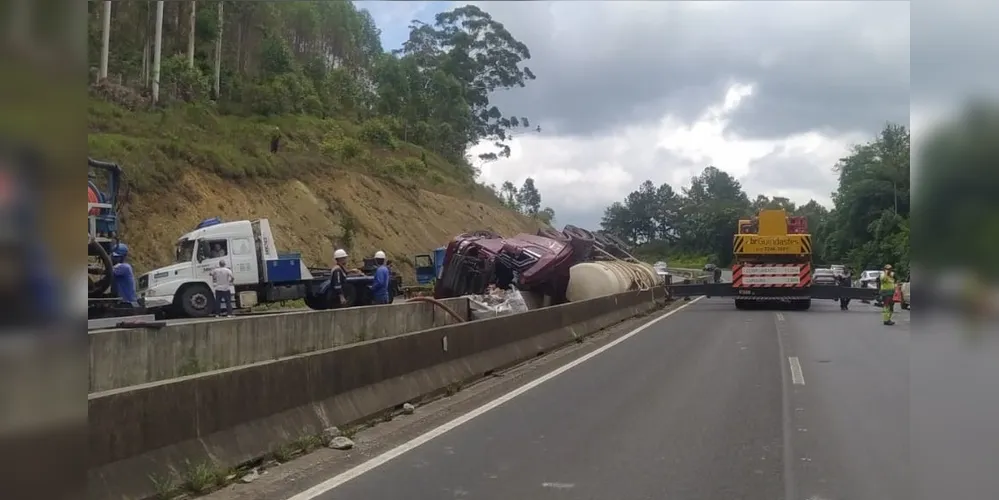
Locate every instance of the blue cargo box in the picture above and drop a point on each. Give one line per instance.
(285, 268)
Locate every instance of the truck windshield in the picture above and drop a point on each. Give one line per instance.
(185, 251)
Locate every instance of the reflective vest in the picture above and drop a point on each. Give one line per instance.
(887, 282)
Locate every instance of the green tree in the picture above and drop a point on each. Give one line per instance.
(467, 44)
(529, 198)
(510, 196)
(871, 204)
(547, 215)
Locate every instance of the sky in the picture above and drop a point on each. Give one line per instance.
(774, 93)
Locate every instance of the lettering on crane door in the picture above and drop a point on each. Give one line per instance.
(751, 244)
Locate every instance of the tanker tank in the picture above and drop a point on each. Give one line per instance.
(590, 280)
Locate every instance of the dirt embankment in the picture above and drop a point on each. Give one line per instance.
(333, 183)
(313, 215)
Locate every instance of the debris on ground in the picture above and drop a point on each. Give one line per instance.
(253, 475)
(341, 443)
(331, 432)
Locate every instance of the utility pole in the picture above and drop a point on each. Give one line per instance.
(102, 74)
(157, 48)
(218, 52)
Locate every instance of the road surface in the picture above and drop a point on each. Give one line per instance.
(709, 403)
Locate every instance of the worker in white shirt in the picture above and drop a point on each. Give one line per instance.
(222, 282)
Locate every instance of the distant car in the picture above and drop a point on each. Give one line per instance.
(905, 295)
(869, 279)
(838, 269)
(824, 276)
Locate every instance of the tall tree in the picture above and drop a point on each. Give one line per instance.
(871, 204)
(529, 198)
(191, 28)
(468, 44)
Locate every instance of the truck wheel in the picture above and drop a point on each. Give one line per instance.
(802, 305)
(351, 295)
(317, 302)
(741, 304)
(197, 302)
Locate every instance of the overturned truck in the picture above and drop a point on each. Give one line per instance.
(554, 266)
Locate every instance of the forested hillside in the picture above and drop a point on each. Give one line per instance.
(294, 111)
(867, 226)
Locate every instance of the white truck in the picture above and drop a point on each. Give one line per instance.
(262, 275)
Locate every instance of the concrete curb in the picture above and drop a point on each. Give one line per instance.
(239, 414)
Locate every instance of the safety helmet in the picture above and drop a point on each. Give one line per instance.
(340, 254)
(887, 267)
(380, 255)
(120, 250)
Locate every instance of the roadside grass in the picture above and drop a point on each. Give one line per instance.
(155, 146)
(653, 253)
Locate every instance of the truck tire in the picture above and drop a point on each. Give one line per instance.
(741, 304)
(802, 305)
(351, 294)
(318, 302)
(196, 301)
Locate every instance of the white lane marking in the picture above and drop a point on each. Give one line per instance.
(780, 317)
(422, 439)
(796, 376)
(558, 486)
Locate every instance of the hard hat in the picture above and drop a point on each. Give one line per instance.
(340, 254)
(380, 255)
(888, 267)
(119, 250)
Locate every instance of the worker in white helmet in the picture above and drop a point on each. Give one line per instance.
(380, 288)
(338, 277)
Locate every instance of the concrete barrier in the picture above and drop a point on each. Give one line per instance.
(231, 416)
(125, 357)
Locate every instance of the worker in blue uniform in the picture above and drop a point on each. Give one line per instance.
(123, 275)
(380, 288)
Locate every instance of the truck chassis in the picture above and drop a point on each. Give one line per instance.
(772, 295)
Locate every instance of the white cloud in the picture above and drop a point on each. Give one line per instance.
(579, 177)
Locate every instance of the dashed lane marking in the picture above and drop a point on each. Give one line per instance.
(797, 377)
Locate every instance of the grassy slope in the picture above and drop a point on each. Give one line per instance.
(327, 187)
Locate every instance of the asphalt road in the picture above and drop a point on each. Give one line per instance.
(706, 404)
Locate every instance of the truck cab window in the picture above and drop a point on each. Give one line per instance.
(184, 251)
(241, 246)
(217, 248)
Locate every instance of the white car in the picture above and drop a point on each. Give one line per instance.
(824, 277)
(869, 279)
(838, 269)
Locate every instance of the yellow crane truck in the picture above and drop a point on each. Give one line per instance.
(772, 264)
